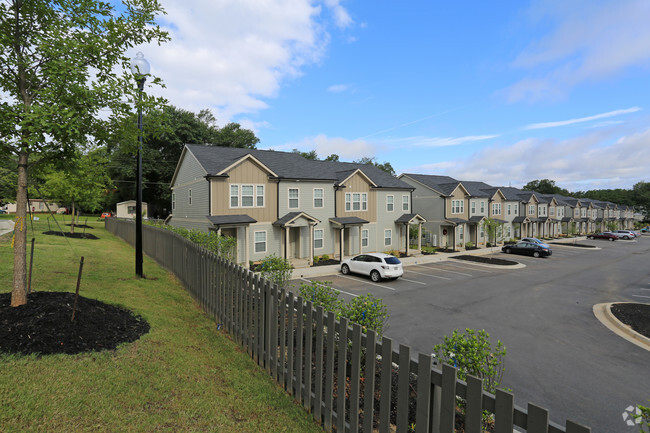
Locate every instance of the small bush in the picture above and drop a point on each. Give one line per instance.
(325, 257)
(428, 250)
(469, 245)
(368, 311)
(277, 270)
(643, 419)
(321, 293)
(392, 253)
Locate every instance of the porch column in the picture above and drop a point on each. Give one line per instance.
(408, 237)
(247, 253)
(360, 241)
(419, 237)
(341, 243)
(311, 244)
(218, 231)
(286, 242)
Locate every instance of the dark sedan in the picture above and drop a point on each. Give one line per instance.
(606, 235)
(528, 249)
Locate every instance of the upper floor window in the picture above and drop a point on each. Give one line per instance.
(390, 205)
(473, 207)
(496, 208)
(259, 196)
(531, 209)
(356, 201)
(234, 195)
(293, 198)
(173, 201)
(551, 211)
(457, 206)
(246, 195)
(189, 197)
(516, 209)
(405, 202)
(318, 197)
(482, 207)
(509, 209)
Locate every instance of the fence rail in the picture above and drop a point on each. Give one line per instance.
(348, 380)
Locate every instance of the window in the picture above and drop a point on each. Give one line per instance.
(364, 238)
(482, 208)
(405, 202)
(457, 206)
(173, 201)
(259, 196)
(509, 209)
(460, 233)
(551, 211)
(482, 230)
(496, 208)
(507, 231)
(260, 242)
(318, 238)
(234, 195)
(364, 201)
(189, 197)
(388, 237)
(318, 197)
(473, 208)
(247, 199)
(390, 203)
(356, 201)
(517, 209)
(531, 209)
(348, 202)
(130, 210)
(293, 198)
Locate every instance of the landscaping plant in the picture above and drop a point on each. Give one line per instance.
(277, 270)
(643, 419)
(321, 293)
(368, 311)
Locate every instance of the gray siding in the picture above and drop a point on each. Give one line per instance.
(191, 177)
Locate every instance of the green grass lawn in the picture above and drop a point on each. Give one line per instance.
(184, 375)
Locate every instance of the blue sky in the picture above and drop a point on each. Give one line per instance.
(502, 92)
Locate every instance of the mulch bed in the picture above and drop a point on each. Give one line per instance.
(81, 226)
(486, 260)
(75, 235)
(636, 316)
(43, 326)
(572, 245)
(327, 262)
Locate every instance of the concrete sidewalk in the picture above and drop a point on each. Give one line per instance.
(6, 226)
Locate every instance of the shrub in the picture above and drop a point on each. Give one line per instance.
(472, 353)
(277, 270)
(321, 293)
(428, 250)
(643, 419)
(367, 311)
(325, 257)
(469, 245)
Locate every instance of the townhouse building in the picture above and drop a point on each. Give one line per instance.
(281, 203)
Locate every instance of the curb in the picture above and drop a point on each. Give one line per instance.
(604, 314)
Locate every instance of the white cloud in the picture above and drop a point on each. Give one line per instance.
(591, 41)
(582, 119)
(347, 150)
(597, 158)
(439, 141)
(338, 88)
(233, 55)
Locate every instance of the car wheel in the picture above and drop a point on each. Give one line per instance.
(611, 239)
(345, 269)
(536, 254)
(507, 251)
(626, 238)
(590, 237)
(375, 276)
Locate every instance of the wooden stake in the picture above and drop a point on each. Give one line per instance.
(76, 296)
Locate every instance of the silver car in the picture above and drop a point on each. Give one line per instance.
(376, 265)
(535, 241)
(624, 234)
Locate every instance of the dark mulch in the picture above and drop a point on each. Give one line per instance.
(75, 235)
(446, 250)
(43, 326)
(81, 226)
(327, 262)
(573, 245)
(637, 316)
(487, 260)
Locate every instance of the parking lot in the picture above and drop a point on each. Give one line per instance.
(558, 354)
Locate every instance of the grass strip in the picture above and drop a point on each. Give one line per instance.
(183, 376)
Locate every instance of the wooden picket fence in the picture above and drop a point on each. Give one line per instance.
(348, 380)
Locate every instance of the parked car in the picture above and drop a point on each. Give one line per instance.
(535, 241)
(605, 235)
(106, 215)
(624, 234)
(645, 229)
(527, 248)
(376, 265)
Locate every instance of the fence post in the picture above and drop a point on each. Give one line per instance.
(386, 384)
(341, 382)
(369, 382)
(422, 416)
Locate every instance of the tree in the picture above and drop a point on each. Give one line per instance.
(641, 198)
(545, 186)
(59, 67)
(333, 157)
(311, 155)
(161, 152)
(8, 180)
(385, 166)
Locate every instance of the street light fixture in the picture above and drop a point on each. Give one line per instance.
(139, 68)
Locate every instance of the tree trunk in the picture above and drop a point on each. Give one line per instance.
(72, 219)
(19, 290)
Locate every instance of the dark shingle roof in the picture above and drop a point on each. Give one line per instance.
(220, 220)
(289, 165)
(443, 184)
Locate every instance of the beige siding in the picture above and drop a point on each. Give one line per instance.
(357, 183)
(247, 173)
(458, 194)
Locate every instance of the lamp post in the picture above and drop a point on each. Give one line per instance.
(139, 68)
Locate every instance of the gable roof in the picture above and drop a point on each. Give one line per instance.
(289, 165)
(444, 185)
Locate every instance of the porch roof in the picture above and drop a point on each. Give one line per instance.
(291, 217)
(520, 219)
(348, 221)
(477, 219)
(231, 220)
(456, 221)
(409, 218)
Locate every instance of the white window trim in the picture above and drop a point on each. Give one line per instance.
(405, 202)
(389, 237)
(241, 195)
(473, 207)
(322, 239)
(173, 201)
(392, 203)
(350, 201)
(461, 206)
(496, 208)
(255, 242)
(263, 196)
(365, 235)
(321, 198)
(231, 195)
(289, 198)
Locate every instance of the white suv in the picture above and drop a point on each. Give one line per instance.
(624, 234)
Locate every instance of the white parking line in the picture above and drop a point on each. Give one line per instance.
(641, 296)
(374, 284)
(413, 281)
(445, 270)
(428, 275)
(338, 290)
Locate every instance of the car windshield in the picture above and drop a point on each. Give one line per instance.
(392, 260)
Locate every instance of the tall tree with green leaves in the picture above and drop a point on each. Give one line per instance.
(385, 166)
(61, 62)
(545, 186)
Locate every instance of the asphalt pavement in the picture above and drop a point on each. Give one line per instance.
(6, 226)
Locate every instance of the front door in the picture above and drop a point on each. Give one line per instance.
(294, 237)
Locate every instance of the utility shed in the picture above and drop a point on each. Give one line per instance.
(126, 209)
